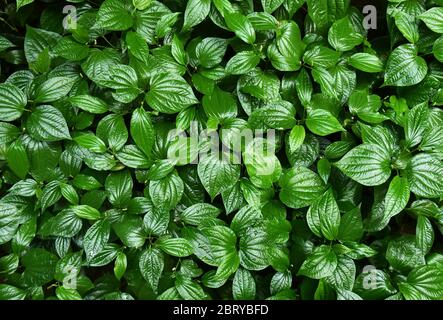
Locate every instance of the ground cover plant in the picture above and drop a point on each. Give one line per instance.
(221, 149)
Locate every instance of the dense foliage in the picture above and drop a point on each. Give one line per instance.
(105, 192)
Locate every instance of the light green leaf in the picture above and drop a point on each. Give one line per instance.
(169, 93)
(12, 102)
(321, 263)
(425, 175)
(368, 164)
(210, 51)
(366, 62)
(151, 266)
(300, 187)
(404, 68)
(322, 122)
(217, 175)
(196, 11)
(177, 247)
(433, 18)
(423, 283)
(424, 234)
(96, 237)
(86, 212)
(89, 103)
(142, 131)
(342, 35)
(198, 212)
(17, 159)
(239, 24)
(243, 285)
(242, 62)
(47, 124)
(114, 15)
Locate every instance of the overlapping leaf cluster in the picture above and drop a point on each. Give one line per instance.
(93, 205)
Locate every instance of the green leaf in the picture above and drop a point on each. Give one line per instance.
(64, 224)
(320, 56)
(396, 199)
(177, 247)
(425, 175)
(344, 275)
(166, 192)
(368, 164)
(196, 11)
(304, 87)
(220, 104)
(141, 4)
(373, 284)
(366, 62)
(63, 293)
(404, 68)
(12, 102)
(137, 44)
(142, 131)
(403, 254)
(70, 49)
(424, 234)
(423, 283)
(8, 292)
(189, 290)
(46, 123)
(119, 185)
(169, 93)
(438, 49)
(112, 130)
(114, 15)
(322, 122)
(178, 51)
(37, 41)
(91, 142)
(197, 213)
(22, 3)
(289, 42)
(321, 263)
(351, 226)
(243, 285)
(244, 219)
(342, 36)
(296, 137)
(326, 215)
(242, 62)
(276, 115)
(9, 222)
(271, 5)
(39, 267)
(347, 295)
(210, 51)
(53, 89)
(408, 26)
(96, 237)
(86, 212)
(300, 187)
(324, 12)
(151, 266)
(416, 124)
(89, 103)
(130, 231)
(217, 175)
(433, 19)
(240, 24)
(17, 159)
